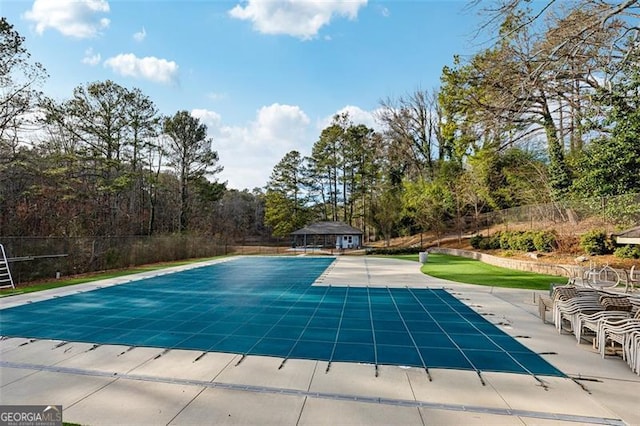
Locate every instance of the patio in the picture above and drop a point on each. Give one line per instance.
(116, 384)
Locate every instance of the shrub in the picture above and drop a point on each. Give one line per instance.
(627, 252)
(512, 241)
(545, 241)
(505, 240)
(595, 242)
(485, 244)
(476, 240)
(494, 241)
(524, 241)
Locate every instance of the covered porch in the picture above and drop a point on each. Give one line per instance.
(324, 235)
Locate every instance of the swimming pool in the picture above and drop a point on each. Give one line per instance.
(268, 306)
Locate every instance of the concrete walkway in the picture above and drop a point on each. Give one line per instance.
(111, 384)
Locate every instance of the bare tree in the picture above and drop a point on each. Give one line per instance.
(19, 81)
(604, 15)
(535, 83)
(412, 125)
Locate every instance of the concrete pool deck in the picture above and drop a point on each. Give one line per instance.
(111, 384)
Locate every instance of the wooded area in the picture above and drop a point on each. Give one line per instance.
(548, 113)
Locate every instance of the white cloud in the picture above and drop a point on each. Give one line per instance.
(211, 118)
(140, 35)
(73, 18)
(280, 124)
(249, 153)
(356, 114)
(149, 68)
(298, 18)
(91, 58)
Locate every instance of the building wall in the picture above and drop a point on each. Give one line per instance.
(347, 241)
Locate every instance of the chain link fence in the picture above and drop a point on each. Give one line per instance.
(46, 258)
(36, 258)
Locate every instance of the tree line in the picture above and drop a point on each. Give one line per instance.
(106, 162)
(547, 112)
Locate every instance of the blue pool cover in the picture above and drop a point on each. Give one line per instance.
(267, 306)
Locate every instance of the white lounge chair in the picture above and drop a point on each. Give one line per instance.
(632, 350)
(584, 303)
(617, 332)
(593, 321)
(632, 279)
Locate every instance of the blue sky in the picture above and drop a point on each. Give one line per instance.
(265, 76)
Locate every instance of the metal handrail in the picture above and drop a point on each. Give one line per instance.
(5, 272)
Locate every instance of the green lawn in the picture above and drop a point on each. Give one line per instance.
(86, 278)
(470, 271)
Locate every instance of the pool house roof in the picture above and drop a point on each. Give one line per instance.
(328, 228)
